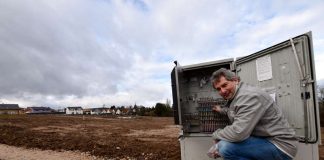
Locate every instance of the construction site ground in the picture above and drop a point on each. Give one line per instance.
(64, 137)
(88, 137)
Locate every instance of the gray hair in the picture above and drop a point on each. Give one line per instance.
(229, 75)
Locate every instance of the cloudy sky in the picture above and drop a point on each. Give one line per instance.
(121, 52)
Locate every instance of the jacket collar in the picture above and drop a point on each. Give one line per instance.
(237, 88)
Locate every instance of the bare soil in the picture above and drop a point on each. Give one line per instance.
(321, 147)
(87, 137)
(20, 153)
(104, 137)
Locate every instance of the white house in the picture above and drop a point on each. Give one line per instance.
(118, 112)
(98, 111)
(74, 110)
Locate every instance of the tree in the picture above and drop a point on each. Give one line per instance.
(141, 111)
(162, 110)
(168, 103)
(113, 107)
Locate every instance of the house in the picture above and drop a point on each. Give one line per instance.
(87, 111)
(134, 111)
(113, 111)
(125, 111)
(102, 110)
(60, 110)
(39, 110)
(131, 111)
(10, 109)
(118, 112)
(74, 110)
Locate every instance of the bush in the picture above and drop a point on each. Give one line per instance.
(163, 110)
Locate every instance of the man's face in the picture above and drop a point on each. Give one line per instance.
(225, 87)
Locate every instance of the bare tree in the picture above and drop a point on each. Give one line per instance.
(168, 103)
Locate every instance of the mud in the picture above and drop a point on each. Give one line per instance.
(105, 137)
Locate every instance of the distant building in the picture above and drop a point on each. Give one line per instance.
(61, 110)
(118, 112)
(125, 111)
(10, 109)
(39, 110)
(86, 111)
(74, 110)
(102, 110)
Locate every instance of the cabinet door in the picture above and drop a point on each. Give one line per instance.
(286, 71)
(175, 82)
(189, 84)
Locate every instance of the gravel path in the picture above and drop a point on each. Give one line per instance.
(18, 153)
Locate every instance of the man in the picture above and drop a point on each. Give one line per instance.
(257, 130)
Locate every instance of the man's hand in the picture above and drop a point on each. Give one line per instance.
(213, 151)
(217, 108)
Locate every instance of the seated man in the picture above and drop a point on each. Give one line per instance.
(258, 129)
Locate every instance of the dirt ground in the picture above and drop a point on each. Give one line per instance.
(105, 137)
(20, 153)
(321, 147)
(88, 137)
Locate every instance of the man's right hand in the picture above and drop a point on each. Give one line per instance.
(217, 108)
(213, 151)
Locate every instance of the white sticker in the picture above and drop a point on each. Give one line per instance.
(264, 68)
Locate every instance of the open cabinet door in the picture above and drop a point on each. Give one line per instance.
(286, 71)
(175, 79)
(191, 86)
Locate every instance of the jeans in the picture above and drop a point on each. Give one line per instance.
(253, 148)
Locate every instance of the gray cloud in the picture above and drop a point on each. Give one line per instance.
(54, 51)
(94, 52)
